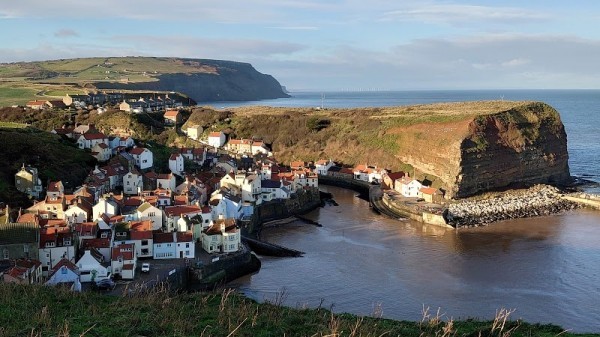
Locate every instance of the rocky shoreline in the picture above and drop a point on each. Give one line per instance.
(535, 201)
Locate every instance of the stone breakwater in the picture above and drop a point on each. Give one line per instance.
(535, 201)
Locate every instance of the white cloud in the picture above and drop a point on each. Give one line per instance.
(455, 13)
(296, 28)
(516, 62)
(492, 61)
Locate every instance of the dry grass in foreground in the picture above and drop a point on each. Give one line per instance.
(42, 311)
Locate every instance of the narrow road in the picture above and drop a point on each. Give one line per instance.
(375, 198)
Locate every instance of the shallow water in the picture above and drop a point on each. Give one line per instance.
(360, 262)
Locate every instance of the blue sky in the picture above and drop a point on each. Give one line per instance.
(329, 45)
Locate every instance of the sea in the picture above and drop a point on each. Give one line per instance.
(544, 269)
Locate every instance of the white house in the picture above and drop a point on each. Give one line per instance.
(133, 182)
(273, 189)
(176, 164)
(141, 235)
(194, 132)
(322, 166)
(142, 156)
(101, 152)
(65, 272)
(223, 236)
(164, 246)
(148, 212)
(259, 147)
(124, 261)
(103, 245)
(56, 243)
(126, 142)
(89, 140)
(185, 247)
(78, 212)
(250, 185)
(174, 213)
(105, 205)
(166, 181)
(91, 266)
(226, 205)
(216, 139)
(409, 187)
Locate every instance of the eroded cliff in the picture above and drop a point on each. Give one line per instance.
(464, 148)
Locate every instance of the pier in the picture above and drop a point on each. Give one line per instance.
(584, 199)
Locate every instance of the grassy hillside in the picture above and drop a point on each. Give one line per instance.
(376, 136)
(42, 311)
(55, 158)
(201, 79)
(426, 140)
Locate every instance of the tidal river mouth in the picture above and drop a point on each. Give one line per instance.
(545, 268)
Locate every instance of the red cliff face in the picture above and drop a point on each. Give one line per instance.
(522, 146)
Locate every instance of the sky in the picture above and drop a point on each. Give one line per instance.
(330, 44)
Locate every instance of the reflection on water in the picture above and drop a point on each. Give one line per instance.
(546, 268)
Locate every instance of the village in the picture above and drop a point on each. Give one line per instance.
(126, 218)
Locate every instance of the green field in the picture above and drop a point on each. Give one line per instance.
(20, 82)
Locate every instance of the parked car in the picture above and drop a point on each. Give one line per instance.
(105, 284)
(145, 267)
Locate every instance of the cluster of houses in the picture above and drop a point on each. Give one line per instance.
(131, 102)
(125, 211)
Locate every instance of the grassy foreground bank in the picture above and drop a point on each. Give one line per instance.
(42, 311)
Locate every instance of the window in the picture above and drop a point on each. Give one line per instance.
(187, 245)
(103, 235)
(50, 244)
(67, 242)
(144, 242)
(5, 253)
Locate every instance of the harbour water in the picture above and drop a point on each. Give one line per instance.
(545, 268)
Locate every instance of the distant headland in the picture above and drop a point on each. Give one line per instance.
(201, 79)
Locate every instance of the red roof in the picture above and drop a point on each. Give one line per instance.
(144, 225)
(140, 235)
(17, 272)
(66, 263)
(428, 190)
(214, 134)
(171, 114)
(396, 175)
(28, 217)
(163, 237)
(96, 243)
(184, 237)
(180, 210)
(125, 250)
(174, 156)
(91, 136)
(86, 228)
(27, 263)
(35, 103)
(54, 186)
(346, 170)
(137, 151)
